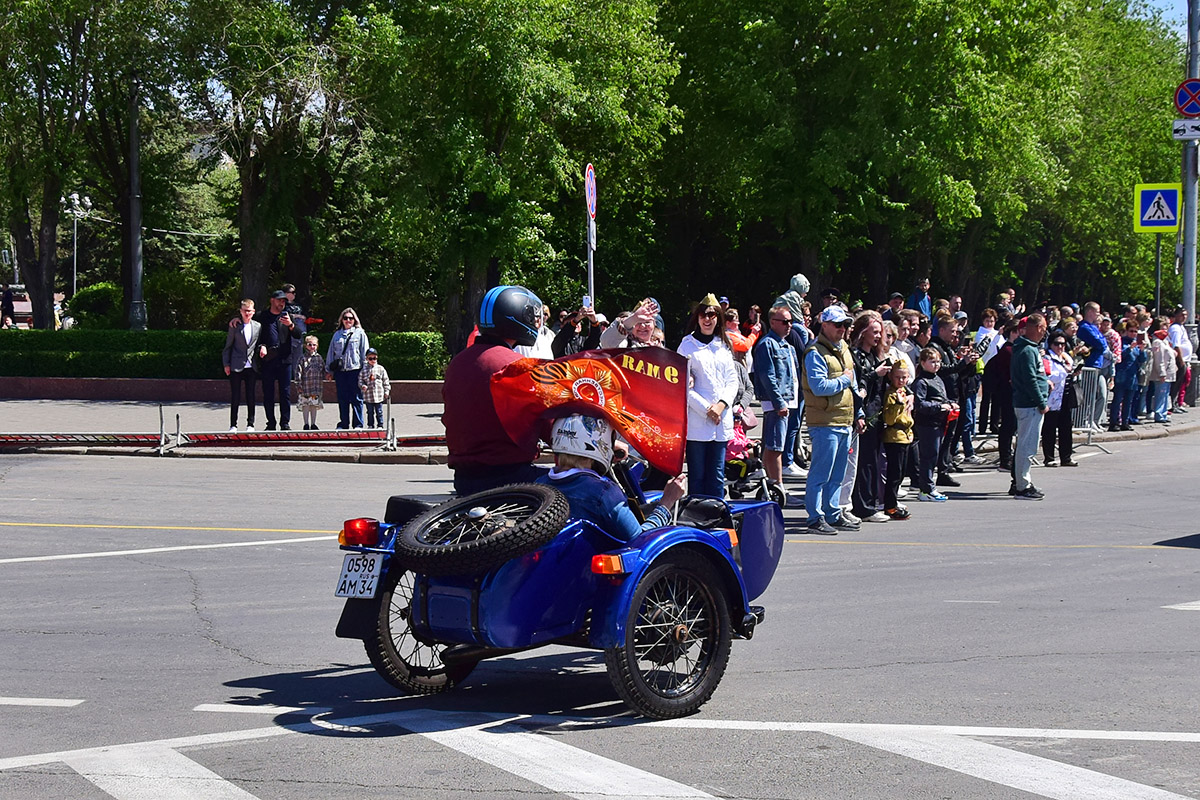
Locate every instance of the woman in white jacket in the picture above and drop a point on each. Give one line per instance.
(712, 388)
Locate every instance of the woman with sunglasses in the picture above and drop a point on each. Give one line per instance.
(1056, 427)
(712, 387)
(346, 356)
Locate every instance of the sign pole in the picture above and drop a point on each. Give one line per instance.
(1158, 273)
(1189, 183)
(589, 196)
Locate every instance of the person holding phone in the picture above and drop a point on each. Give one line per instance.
(571, 337)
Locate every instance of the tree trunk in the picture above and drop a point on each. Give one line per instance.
(38, 261)
(878, 256)
(255, 233)
(1036, 267)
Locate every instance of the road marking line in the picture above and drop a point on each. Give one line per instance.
(989, 544)
(1193, 606)
(234, 708)
(147, 550)
(543, 760)
(48, 702)
(1013, 768)
(835, 728)
(156, 527)
(984, 602)
(138, 772)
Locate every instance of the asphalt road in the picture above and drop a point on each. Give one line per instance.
(988, 648)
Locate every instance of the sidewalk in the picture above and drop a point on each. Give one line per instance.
(413, 419)
(99, 416)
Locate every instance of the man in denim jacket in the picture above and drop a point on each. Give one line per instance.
(775, 385)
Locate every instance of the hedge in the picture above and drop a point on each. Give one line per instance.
(181, 354)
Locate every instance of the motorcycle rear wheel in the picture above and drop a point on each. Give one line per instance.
(397, 654)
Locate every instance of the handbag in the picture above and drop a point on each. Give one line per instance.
(339, 364)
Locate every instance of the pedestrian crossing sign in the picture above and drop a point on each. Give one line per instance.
(1156, 207)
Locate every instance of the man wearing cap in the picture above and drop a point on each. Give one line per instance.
(828, 383)
(279, 329)
(895, 306)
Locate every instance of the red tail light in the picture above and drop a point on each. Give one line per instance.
(363, 532)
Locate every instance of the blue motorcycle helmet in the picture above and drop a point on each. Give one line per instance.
(511, 312)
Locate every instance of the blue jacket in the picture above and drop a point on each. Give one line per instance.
(922, 302)
(774, 372)
(601, 501)
(1132, 358)
(1090, 335)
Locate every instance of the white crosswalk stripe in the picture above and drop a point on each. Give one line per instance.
(156, 770)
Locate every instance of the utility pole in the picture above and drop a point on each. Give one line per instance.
(137, 305)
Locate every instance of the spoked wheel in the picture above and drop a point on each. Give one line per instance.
(397, 654)
(472, 534)
(677, 639)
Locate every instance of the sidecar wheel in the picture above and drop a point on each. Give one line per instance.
(677, 639)
(472, 534)
(397, 655)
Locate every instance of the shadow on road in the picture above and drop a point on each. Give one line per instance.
(569, 684)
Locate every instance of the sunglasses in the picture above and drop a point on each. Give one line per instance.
(844, 324)
(348, 318)
(709, 315)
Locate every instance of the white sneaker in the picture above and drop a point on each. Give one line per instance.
(878, 516)
(973, 460)
(233, 429)
(249, 429)
(846, 515)
(901, 494)
(795, 470)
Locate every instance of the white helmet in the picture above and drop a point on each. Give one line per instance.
(579, 435)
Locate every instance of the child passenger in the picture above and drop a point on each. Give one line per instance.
(583, 449)
(897, 437)
(309, 377)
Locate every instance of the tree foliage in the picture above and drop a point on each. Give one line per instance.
(402, 157)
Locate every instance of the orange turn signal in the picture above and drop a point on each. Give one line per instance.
(363, 532)
(733, 537)
(607, 565)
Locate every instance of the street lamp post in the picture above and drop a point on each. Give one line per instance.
(77, 207)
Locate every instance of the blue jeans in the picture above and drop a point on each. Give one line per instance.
(968, 425)
(706, 468)
(1121, 407)
(1162, 400)
(349, 398)
(793, 430)
(826, 468)
(374, 415)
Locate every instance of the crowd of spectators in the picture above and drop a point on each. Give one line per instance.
(900, 391)
(271, 346)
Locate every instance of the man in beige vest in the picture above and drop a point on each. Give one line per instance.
(828, 383)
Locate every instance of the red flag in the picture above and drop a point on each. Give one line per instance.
(642, 393)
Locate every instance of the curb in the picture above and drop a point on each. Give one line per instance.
(438, 456)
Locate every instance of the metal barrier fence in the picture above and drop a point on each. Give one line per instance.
(1088, 415)
(164, 442)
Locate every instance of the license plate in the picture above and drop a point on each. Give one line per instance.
(360, 575)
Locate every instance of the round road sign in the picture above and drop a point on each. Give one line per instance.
(1187, 97)
(589, 189)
